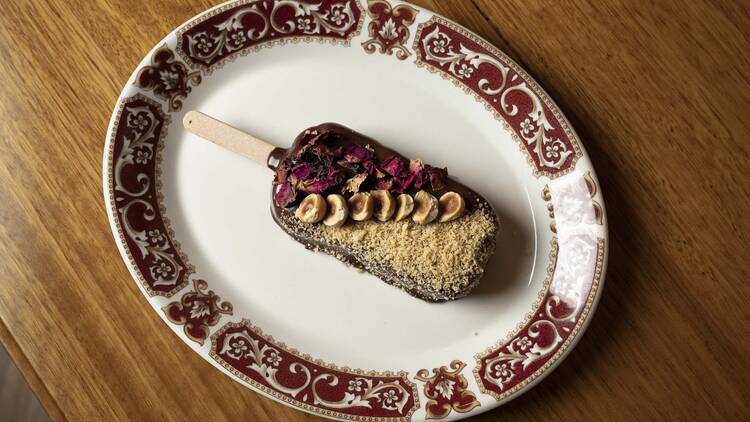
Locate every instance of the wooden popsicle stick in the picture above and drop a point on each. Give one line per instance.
(227, 136)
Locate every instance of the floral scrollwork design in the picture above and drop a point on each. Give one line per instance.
(250, 24)
(273, 368)
(169, 79)
(512, 364)
(363, 392)
(541, 339)
(499, 82)
(140, 127)
(197, 311)
(389, 28)
(446, 390)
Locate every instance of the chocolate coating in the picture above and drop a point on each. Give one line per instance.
(284, 217)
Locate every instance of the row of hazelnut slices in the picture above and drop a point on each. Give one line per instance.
(423, 208)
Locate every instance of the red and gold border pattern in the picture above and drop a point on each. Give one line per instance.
(169, 79)
(547, 197)
(139, 129)
(506, 89)
(197, 311)
(510, 366)
(447, 390)
(244, 25)
(269, 366)
(389, 28)
(310, 384)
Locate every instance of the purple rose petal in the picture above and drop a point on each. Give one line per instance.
(384, 184)
(316, 185)
(373, 170)
(302, 171)
(317, 167)
(305, 145)
(282, 172)
(394, 165)
(285, 195)
(416, 166)
(355, 153)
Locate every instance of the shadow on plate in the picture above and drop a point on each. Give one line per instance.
(509, 263)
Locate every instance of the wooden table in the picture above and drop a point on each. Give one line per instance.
(660, 94)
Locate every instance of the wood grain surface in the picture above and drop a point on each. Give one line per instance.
(658, 91)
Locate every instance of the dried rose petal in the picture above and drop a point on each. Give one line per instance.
(282, 172)
(399, 185)
(316, 185)
(318, 167)
(437, 178)
(302, 171)
(373, 169)
(335, 173)
(394, 165)
(285, 195)
(349, 168)
(320, 151)
(355, 153)
(352, 185)
(383, 184)
(306, 144)
(411, 180)
(416, 166)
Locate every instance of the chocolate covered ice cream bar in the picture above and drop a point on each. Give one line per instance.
(341, 193)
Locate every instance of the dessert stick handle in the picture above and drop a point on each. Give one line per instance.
(227, 136)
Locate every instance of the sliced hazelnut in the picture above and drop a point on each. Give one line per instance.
(312, 209)
(452, 206)
(426, 208)
(361, 206)
(338, 211)
(405, 206)
(385, 205)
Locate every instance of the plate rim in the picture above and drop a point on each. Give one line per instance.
(562, 352)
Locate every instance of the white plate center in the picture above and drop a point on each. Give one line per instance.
(218, 204)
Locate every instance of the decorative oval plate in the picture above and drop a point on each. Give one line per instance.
(192, 220)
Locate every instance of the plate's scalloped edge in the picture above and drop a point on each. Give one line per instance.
(562, 349)
(209, 69)
(109, 174)
(505, 59)
(551, 265)
(247, 324)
